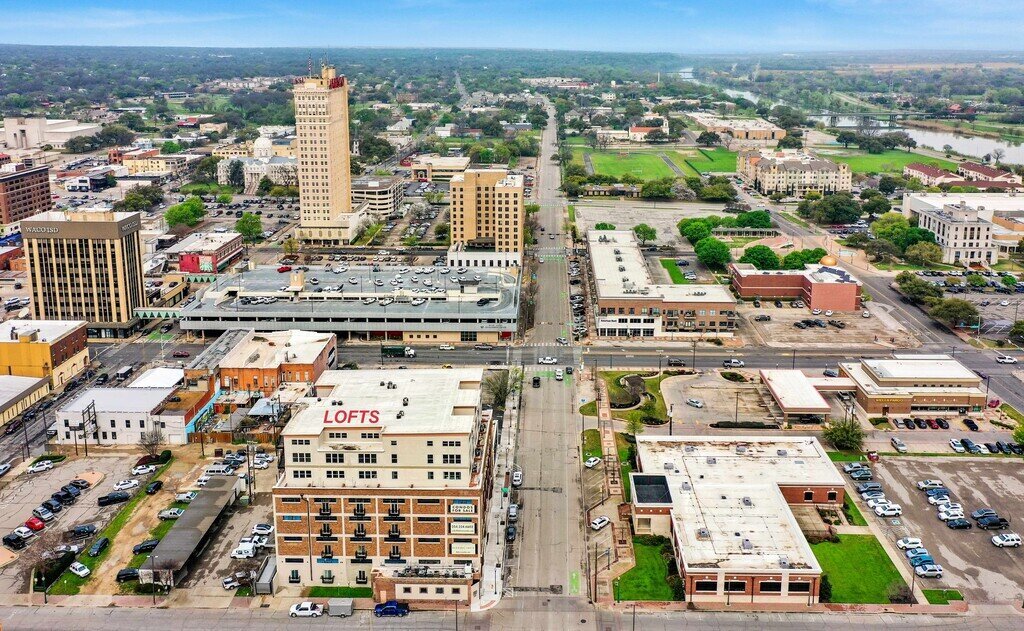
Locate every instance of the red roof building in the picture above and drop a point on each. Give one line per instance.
(975, 171)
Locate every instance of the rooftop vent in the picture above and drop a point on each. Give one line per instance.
(712, 460)
(703, 534)
(740, 449)
(400, 414)
(783, 562)
(669, 466)
(747, 501)
(686, 486)
(747, 545)
(781, 452)
(689, 449)
(405, 401)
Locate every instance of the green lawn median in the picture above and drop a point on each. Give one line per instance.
(858, 568)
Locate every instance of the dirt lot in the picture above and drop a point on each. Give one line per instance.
(879, 329)
(983, 572)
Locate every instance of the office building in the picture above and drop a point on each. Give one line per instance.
(435, 168)
(749, 130)
(205, 252)
(119, 416)
(821, 285)
(158, 163)
(384, 486)
(24, 191)
(86, 266)
(962, 229)
(915, 384)
(630, 304)
(487, 218)
(263, 361)
(727, 505)
(326, 214)
(55, 349)
(792, 172)
(382, 195)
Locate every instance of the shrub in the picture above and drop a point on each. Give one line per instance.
(54, 458)
(652, 540)
(744, 425)
(734, 377)
(825, 589)
(165, 456)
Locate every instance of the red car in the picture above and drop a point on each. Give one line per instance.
(180, 353)
(284, 268)
(35, 524)
(932, 423)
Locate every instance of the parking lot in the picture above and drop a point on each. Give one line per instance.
(781, 332)
(980, 570)
(722, 400)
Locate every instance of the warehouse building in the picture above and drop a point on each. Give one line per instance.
(206, 252)
(56, 349)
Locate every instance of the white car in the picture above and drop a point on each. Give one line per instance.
(1004, 303)
(850, 467)
(946, 516)
(261, 464)
(599, 523)
(124, 485)
(695, 403)
(937, 500)
(828, 313)
(547, 360)
(24, 532)
(306, 610)
(592, 462)
(1006, 359)
(39, 467)
(202, 480)
(929, 570)
(924, 485)
(865, 314)
(170, 513)
(898, 445)
(79, 570)
(186, 497)
(230, 583)
(908, 543)
(446, 347)
(957, 446)
(879, 501)
(262, 529)
(517, 478)
(950, 507)
(559, 375)
(144, 469)
(815, 311)
(889, 510)
(1006, 540)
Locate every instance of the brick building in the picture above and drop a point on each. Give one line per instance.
(263, 361)
(384, 484)
(207, 252)
(44, 348)
(727, 504)
(908, 384)
(24, 191)
(821, 286)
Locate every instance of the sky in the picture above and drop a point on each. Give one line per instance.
(680, 26)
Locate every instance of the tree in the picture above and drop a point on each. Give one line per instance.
(249, 226)
(264, 186)
(500, 385)
(846, 138)
(890, 226)
(761, 256)
(955, 312)
(798, 259)
(708, 139)
(132, 121)
(657, 189)
(150, 441)
(290, 246)
(976, 280)
(635, 426)
(1018, 434)
(236, 175)
(187, 213)
(1009, 281)
(696, 231)
(923, 253)
(791, 142)
(877, 205)
(206, 169)
(844, 434)
(755, 219)
(917, 289)
(888, 184)
(997, 155)
(835, 208)
(1017, 332)
(644, 233)
(604, 226)
(825, 589)
(224, 198)
(882, 250)
(712, 252)
(171, 147)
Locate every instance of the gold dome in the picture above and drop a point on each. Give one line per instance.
(828, 260)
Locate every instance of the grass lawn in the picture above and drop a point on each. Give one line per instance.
(794, 219)
(589, 409)
(208, 189)
(592, 444)
(681, 160)
(941, 596)
(575, 140)
(369, 234)
(646, 581)
(900, 267)
(622, 447)
(1012, 412)
(1008, 265)
(646, 166)
(674, 272)
(845, 456)
(852, 512)
(572, 213)
(718, 160)
(891, 161)
(859, 569)
(327, 591)
(739, 242)
(652, 407)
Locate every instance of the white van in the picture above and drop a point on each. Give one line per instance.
(244, 551)
(513, 512)
(219, 469)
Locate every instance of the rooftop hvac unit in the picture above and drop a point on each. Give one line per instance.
(748, 546)
(740, 449)
(645, 290)
(781, 452)
(618, 259)
(405, 401)
(747, 501)
(668, 466)
(689, 449)
(618, 251)
(703, 533)
(400, 414)
(622, 268)
(783, 562)
(712, 460)
(700, 293)
(686, 486)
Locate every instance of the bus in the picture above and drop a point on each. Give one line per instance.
(124, 372)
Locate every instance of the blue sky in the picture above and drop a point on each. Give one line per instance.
(687, 26)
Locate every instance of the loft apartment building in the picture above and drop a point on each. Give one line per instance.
(792, 172)
(630, 304)
(326, 216)
(385, 475)
(86, 266)
(487, 218)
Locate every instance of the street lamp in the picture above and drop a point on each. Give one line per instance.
(152, 568)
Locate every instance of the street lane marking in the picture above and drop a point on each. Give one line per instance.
(574, 583)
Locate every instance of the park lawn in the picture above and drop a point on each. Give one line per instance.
(941, 596)
(575, 140)
(1008, 265)
(739, 242)
(674, 272)
(625, 467)
(646, 166)
(589, 409)
(852, 512)
(904, 266)
(647, 579)
(845, 456)
(592, 444)
(891, 161)
(653, 406)
(716, 160)
(681, 160)
(859, 569)
(794, 219)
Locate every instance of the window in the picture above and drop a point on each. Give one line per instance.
(770, 587)
(367, 458)
(451, 458)
(367, 475)
(335, 474)
(808, 496)
(451, 443)
(832, 496)
(799, 588)
(334, 458)
(430, 475)
(430, 458)
(290, 500)
(452, 475)
(370, 435)
(406, 590)
(303, 474)
(438, 590)
(300, 441)
(302, 456)
(394, 475)
(705, 586)
(394, 458)
(456, 590)
(337, 435)
(736, 586)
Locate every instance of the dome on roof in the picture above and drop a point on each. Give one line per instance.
(263, 148)
(828, 260)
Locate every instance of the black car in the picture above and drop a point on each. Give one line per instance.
(510, 533)
(921, 423)
(675, 361)
(778, 303)
(14, 542)
(958, 524)
(536, 382)
(99, 546)
(71, 489)
(79, 483)
(12, 427)
(992, 449)
(971, 425)
(943, 423)
(993, 522)
(1003, 447)
(909, 423)
(146, 546)
(1016, 449)
(153, 487)
(117, 497)
(65, 498)
(127, 574)
(82, 531)
(102, 379)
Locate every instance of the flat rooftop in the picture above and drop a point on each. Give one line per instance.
(48, 330)
(342, 295)
(159, 377)
(709, 119)
(816, 272)
(203, 242)
(143, 400)
(209, 360)
(376, 183)
(442, 162)
(620, 271)
(926, 375)
(794, 393)
(921, 367)
(440, 401)
(271, 350)
(726, 503)
(992, 202)
(14, 388)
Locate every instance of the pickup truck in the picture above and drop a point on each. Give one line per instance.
(306, 610)
(390, 609)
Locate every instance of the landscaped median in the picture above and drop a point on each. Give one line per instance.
(69, 584)
(640, 397)
(592, 444)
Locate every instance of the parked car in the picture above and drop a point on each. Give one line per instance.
(861, 474)
(1006, 540)
(510, 534)
(263, 529)
(171, 513)
(146, 546)
(599, 522)
(127, 574)
(898, 445)
(35, 524)
(186, 497)
(958, 524)
(517, 478)
(306, 609)
(154, 486)
(889, 510)
(992, 522)
(145, 469)
(982, 512)
(695, 403)
(850, 467)
(924, 559)
(592, 462)
(908, 543)
(98, 546)
(124, 485)
(868, 486)
(109, 499)
(929, 570)
(82, 531)
(39, 467)
(395, 608)
(956, 445)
